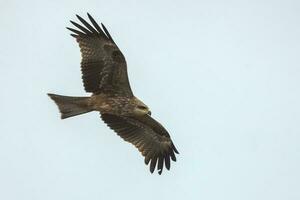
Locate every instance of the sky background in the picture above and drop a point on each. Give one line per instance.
(222, 76)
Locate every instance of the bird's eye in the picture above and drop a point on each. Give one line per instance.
(142, 107)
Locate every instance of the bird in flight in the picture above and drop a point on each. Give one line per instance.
(104, 74)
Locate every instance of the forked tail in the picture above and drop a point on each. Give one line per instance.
(71, 106)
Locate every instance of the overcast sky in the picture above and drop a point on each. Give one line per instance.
(223, 77)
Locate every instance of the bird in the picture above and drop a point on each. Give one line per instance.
(104, 74)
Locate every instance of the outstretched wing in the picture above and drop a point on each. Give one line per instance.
(103, 65)
(149, 136)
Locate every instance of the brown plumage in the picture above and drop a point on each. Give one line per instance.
(104, 74)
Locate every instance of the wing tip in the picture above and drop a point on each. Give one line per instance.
(89, 29)
(163, 161)
(74, 35)
(174, 148)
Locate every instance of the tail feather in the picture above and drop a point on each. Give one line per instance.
(71, 106)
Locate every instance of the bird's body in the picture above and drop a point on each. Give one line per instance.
(104, 74)
(112, 105)
(119, 105)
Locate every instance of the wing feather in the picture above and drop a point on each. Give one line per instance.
(167, 162)
(160, 164)
(86, 31)
(75, 31)
(153, 164)
(95, 24)
(86, 24)
(106, 31)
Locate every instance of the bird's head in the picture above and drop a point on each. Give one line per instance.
(140, 108)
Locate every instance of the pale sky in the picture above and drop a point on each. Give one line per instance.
(223, 78)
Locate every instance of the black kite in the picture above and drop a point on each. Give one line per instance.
(104, 74)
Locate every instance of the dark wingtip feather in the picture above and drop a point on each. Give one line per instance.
(75, 31)
(173, 157)
(72, 22)
(86, 31)
(95, 24)
(90, 16)
(147, 160)
(106, 31)
(174, 148)
(167, 162)
(87, 25)
(160, 164)
(153, 164)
